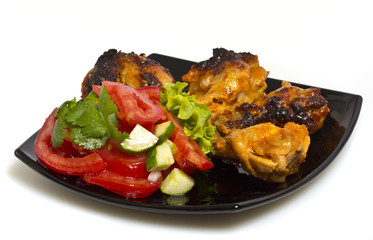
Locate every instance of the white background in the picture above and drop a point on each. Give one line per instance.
(47, 47)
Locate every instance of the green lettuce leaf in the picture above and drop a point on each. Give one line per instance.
(193, 115)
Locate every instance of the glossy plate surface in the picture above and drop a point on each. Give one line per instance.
(225, 188)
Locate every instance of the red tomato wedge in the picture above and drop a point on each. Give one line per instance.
(65, 165)
(123, 163)
(182, 163)
(124, 185)
(151, 91)
(134, 106)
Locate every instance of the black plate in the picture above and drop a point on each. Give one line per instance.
(225, 188)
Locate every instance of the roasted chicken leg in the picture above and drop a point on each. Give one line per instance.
(266, 151)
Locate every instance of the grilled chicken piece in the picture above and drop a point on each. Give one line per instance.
(267, 134)
(128, 68)
(266, 151)
(227, 79)
(286, 104)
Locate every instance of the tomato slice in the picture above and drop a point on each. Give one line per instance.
(124, 185)
(133, 106)
(123, 163)
(151, 92)
(182, 163)
(65, 165)
(69, 150)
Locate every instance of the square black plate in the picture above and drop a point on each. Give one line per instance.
(225, 188)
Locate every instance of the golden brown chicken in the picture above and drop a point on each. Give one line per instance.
(128, 68)
(286, 104)
(266, 151)
(267, 134)
(227, 79)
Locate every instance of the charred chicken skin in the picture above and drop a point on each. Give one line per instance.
(266, 134)
(227, 79)
(128, 68)
(286, 104)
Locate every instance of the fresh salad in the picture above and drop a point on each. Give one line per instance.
(129, 141)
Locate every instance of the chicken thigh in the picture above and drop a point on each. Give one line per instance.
(128, 68)
(226, 80)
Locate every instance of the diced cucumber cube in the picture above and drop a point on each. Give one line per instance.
(172, 145)
(177, 182)
(159, 157)
(164, 130)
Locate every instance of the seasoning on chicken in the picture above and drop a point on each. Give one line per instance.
(128, 68)
(286, 104)
(267, 134)
(266, 151)
(227, 79)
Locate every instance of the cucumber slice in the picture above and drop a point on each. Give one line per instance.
(177, 182)
(172, 145)
(159, 157)
(138, 141)
(164, 130)
(177, 200)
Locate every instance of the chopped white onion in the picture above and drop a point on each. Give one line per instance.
(154, 176)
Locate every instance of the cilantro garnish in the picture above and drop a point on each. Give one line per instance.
(88, 123)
